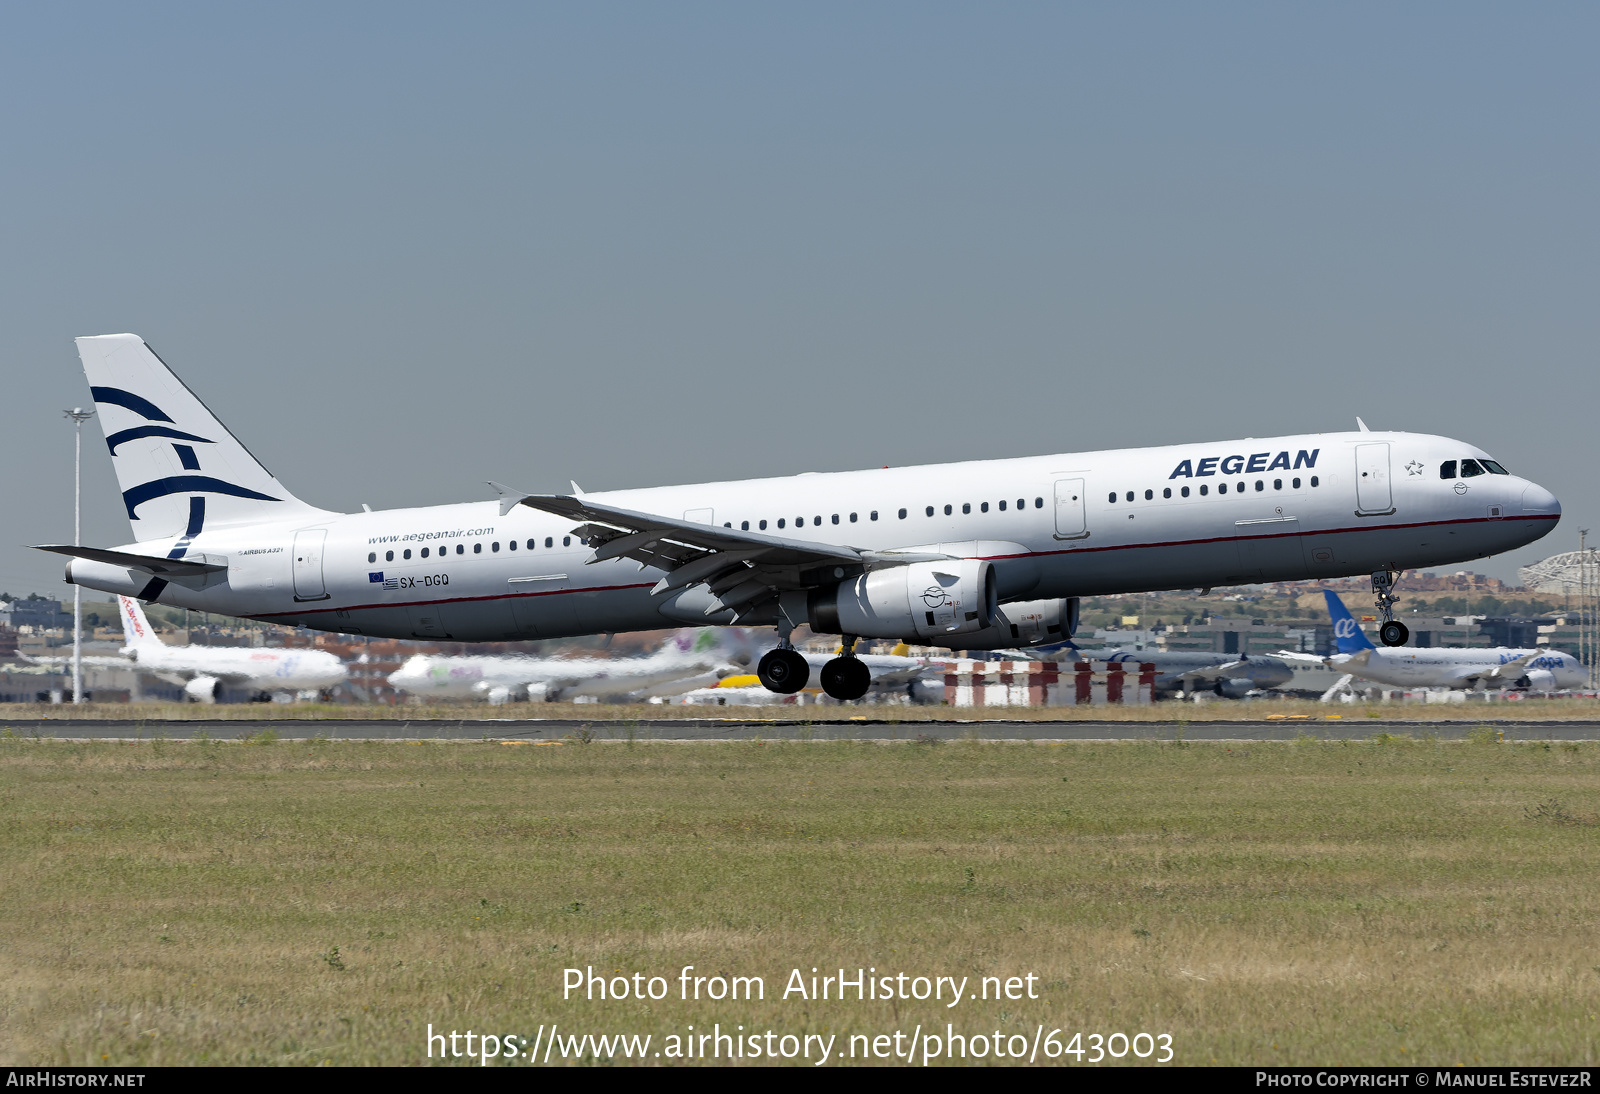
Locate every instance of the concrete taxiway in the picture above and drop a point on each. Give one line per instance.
(738, 729)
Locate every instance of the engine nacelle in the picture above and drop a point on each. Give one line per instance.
(1236, 688)
(1028, 623)
(1538, 680)
(930, 601)
(202, 689)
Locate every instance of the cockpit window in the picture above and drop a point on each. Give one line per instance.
(1447, 469)
(1469, 468)
(1493, 468)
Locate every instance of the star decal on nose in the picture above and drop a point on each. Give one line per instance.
(1413, 468)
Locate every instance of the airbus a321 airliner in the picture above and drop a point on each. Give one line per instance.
(977, 555)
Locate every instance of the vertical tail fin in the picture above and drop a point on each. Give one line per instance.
(136, 630)
(1347, 633)
(179, 468)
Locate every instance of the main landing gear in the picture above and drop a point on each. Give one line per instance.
(783, 670)
(1392, 632)
(845, 677)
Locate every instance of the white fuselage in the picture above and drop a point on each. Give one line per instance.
(553, 678)
(1317, 506)
(257, 669)
(1403, 666)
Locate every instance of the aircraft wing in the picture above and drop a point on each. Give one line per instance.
(1298, 658)
(1510, 671)
(739, 568)
(1211, 672)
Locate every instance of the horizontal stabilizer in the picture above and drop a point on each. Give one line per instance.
(149, 564)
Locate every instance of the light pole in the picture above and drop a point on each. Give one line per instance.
(78, 416)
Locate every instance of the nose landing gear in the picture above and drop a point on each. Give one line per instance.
(1392, 632)
(845, 677)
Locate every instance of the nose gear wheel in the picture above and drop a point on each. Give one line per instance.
(1392, 632)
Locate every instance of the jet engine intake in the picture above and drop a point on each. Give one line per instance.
(202, 689)
(1538, 680)
(923, 600)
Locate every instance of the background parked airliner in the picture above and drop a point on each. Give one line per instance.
(1408, 667)
(943, 554)
(203, 670)
(688, 659)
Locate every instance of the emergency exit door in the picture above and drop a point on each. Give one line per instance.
(1070, 520)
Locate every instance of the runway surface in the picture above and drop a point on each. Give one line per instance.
(732, 729)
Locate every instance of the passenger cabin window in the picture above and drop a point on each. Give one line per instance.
(1184, 491)
(1222, 488)
(949, 510)
(902, 514)
(512, 544)
(477, 548)
(1038, 503)
(817, 520)
(1149, 495)
(388, 556)
(1002, 505)
(762, 525)
(1130, 495)
(966, 507)
(930, 510)
(984, 508)
(1204, 490)
(1166, 492)
(495, 546)
(835, 518)
(1260, 486)
(372, 556)
(549, 541)
(780, 522)
(424, 552)
(744, 526)
(1277, 484)
(873, 515)
(853, 518)
(1112, 497)
(566, 541)
(1313, 480)
(406, 553)
(1295, 484)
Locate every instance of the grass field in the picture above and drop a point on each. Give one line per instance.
(1534, 709)
(1386, 901)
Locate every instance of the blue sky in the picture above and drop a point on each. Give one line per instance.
(402, 249)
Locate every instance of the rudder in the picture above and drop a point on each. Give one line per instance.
(1347, 633)
(179, 468)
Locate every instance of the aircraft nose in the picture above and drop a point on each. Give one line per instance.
(1536, 499)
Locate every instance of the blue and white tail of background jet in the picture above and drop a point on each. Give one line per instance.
(1347, 633)
(179, 468)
